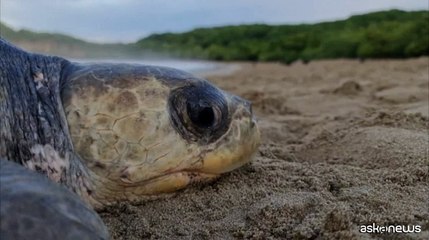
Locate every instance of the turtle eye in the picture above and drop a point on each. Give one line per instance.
(199, 112)
(200, 115)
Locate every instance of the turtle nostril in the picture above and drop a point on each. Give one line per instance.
(243, 102)
(248, 106)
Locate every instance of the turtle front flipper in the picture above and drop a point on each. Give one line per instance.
(33, 207)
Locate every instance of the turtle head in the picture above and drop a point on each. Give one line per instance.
(144, 131)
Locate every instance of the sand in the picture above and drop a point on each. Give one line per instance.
(344, 144)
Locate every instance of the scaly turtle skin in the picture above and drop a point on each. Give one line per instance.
(118, 132)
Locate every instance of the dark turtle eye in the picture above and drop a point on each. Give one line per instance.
(201, 116)
(199, 112)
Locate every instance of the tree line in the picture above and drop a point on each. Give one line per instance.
(386, 34)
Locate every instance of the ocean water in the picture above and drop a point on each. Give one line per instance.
(192, 66)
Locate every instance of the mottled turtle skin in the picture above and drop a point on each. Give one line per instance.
(115, 132)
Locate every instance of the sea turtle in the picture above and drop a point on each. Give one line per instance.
(109, 133)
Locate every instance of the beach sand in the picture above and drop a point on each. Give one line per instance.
(344, 144)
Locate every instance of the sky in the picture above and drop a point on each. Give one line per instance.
(107, 21)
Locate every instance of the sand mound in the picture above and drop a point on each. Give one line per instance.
(402, 94)
(345, 144)
(349, 88)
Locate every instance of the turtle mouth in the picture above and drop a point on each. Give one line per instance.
(173, 181)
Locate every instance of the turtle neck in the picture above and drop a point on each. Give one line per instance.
(33, 127)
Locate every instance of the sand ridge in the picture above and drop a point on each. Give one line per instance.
(344, 144)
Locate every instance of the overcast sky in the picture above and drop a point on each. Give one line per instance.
(129, 20)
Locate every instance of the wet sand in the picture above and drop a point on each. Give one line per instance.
(344, 144)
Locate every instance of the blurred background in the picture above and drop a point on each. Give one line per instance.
(242, 30)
